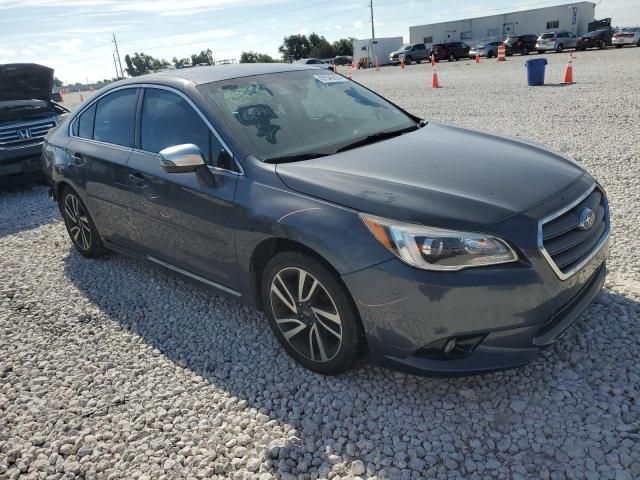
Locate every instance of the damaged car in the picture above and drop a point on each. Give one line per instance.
(27, 113)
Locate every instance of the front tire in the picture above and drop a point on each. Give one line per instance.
(451, 57)
(310, 313)
(559, 48)
(407, 60)
(80, 227)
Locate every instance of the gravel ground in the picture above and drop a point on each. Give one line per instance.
(112, 369)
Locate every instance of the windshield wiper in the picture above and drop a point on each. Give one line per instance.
(376, 137)
(296, 157)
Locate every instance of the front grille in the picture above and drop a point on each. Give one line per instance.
(568, 246)
(25, 133)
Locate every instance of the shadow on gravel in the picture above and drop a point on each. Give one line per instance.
(25, 207)
(367, 412)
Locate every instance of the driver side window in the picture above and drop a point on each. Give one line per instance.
(168, 120)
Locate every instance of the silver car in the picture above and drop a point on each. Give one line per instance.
(556, 40)
(626, 36)
(485, 49)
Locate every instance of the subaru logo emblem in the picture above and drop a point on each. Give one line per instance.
(24, 134)
(587, 219)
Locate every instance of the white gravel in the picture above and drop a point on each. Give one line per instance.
(111, 369)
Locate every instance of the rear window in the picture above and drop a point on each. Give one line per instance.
(548, 35)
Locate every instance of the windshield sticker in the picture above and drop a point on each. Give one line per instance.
(330, 78)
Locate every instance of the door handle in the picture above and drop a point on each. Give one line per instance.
(137, 179)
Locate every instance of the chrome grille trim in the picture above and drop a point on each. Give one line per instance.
(563, 275)
(9, 137)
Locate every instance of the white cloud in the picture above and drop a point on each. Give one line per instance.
(7, 52)
(26, 51)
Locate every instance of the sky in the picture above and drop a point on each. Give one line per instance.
(75, 36)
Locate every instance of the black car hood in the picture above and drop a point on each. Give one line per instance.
(25, 81)
(439, 175)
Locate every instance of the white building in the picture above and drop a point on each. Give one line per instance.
(368, 49)
(572, 16)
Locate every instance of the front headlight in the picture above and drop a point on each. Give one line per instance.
(433, 248)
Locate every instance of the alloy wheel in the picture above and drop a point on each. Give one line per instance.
(305, 314)
(77, 221)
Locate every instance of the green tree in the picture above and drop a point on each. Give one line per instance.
(205, 56)
(181, 62)
(344, 46)
(255, 57)
(320, 47)
(295, 45)
(141, 64)
(57, 82)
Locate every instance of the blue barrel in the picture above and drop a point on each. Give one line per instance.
(535, 71)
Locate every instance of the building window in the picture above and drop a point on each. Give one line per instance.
(428, 40)
(492, 32)
(553, 24)
(465, 35)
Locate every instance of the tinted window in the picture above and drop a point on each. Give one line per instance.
(115, 117)
(168, 120)
(85, 122)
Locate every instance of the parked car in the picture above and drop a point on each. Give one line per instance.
(595, 39)
(342, 60)
(626, 36)
(315, 62)
(556, 40)
(522, 44)
(414, 52)
(450, 51)
(27, 112)
(318, 201)
(485, 49)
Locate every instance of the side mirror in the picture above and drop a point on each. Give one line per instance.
(181, 158)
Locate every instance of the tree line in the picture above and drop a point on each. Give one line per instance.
(293, 47)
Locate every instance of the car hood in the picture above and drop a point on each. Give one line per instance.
(439, 175)
(25, 81)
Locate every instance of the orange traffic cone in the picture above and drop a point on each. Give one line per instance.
(81, 98)
(402, 62)
(477, 58)
(568, 72)
(433, 60)
(434, 79)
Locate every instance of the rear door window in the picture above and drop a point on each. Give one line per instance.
(169, 120)
(85, 122)
(115, 114)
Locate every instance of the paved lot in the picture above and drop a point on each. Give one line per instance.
(112, 369)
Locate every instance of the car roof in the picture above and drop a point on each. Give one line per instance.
(215, 73)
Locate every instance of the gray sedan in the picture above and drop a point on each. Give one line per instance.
(361, 230)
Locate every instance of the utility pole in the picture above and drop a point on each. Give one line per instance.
(373, 32)
(115, 64)
(118, 54)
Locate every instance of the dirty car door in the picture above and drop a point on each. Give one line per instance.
(181, 220)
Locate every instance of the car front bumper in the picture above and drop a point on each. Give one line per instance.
(504, 315)
(20, 162)
(482, 53)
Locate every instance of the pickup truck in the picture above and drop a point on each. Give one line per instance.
(27, 112)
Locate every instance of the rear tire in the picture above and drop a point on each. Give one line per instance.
(524, 51)
(310, 313)
(540, 52)
(80, 227)
(451, 57)
(603, 45)
(620, 46)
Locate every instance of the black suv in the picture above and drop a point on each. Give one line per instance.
(522, 44)
(595, 39)
(450, 51)
(26, 115)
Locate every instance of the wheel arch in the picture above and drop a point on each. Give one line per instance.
(270, 247)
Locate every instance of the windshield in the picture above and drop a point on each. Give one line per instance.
(301, 112)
